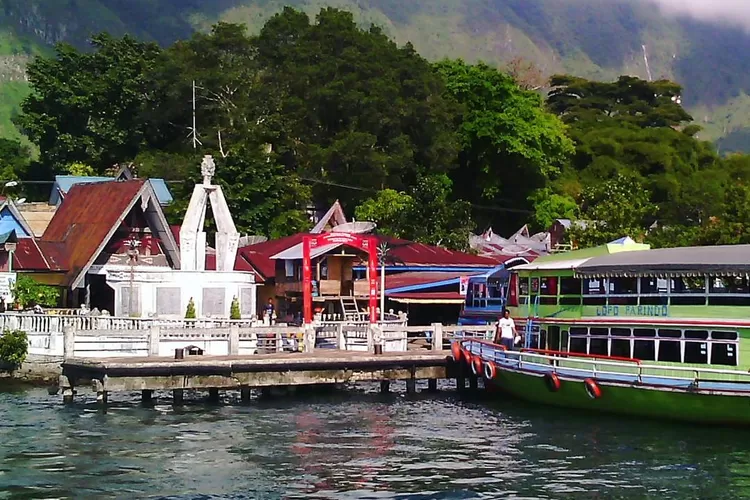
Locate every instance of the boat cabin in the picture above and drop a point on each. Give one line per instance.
(676, 305)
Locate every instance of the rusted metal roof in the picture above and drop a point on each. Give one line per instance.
(29, 257)
(85, 219)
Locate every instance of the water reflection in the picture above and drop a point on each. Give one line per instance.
(357, 445)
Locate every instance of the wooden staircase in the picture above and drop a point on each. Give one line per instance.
(350, 309)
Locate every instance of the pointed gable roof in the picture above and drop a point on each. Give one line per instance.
(18, 223)
(89, 217)
(334, 217)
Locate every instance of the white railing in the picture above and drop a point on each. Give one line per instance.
(594, 366)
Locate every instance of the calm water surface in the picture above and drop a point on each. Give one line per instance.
(356, 444)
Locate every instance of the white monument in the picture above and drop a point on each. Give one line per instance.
(160, 291)
(192, 236)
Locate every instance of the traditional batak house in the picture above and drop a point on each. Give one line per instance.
(109, 247)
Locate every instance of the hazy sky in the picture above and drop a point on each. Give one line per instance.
(734, 11)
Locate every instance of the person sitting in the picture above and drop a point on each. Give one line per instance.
(505, 331)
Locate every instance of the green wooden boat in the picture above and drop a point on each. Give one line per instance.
(629, 330)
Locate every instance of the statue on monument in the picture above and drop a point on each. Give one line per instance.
(208, 169)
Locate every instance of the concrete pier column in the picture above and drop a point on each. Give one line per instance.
(411, 386)
(460, 383)
(245, 394)
(147, 396)
(234, 339)
(213, 395)
(385, 386)
(69, 339)
(473, 383)
(67, 389)
(178, 396)
(432, 385)
(154, 334)
(101, 397)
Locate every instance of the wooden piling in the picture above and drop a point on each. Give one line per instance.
(432, 385)
(178, 396)
(385, 386)
(411, 386)
(213, 395)
(245, 394)
(147, 396)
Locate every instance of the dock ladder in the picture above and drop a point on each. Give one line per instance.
(350, 310)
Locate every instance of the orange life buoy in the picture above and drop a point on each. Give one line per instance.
(552, 381)
(592, 388)
(466, 356)
(456, 351)
(490, 371)
(476, 366)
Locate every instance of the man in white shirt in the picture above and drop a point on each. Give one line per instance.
(505, 331)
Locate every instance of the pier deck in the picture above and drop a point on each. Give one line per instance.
(214, 373)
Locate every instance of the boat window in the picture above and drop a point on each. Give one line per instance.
(724, 354)
(570, 301)
(570, 286)
(645, 350)
(644, 332)
(724, 335)
(696, 334)
(599, 346)
(670, 350)
(523, 286)
(653, 285)
(688, 285)
(729, 284)
(578, 344)
(696, 352)
(663, 332)
(621, 348)
(548, 286)
(653, 300)
(578, 330)
(534, 286)
(594, 286)
(599, 332)
(623, 286)
(554, 338)
(621, 332)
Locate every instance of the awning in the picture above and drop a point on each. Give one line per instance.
(556, 265)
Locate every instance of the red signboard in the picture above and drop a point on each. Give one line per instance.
(366, 243)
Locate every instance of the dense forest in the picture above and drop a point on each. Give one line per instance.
(309, 111)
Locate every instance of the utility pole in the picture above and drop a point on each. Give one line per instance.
(193, 132)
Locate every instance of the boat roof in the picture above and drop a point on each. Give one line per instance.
(683, 261)
(572, 260)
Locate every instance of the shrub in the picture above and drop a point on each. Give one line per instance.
(28, 292)
(14, 346)
(234, 312)
(190, 312)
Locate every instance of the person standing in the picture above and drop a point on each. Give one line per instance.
(506, 332)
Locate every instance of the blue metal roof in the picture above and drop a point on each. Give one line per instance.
(65, 182)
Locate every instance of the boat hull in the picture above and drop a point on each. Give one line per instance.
(626, 399)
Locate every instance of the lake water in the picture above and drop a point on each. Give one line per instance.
(355, 444)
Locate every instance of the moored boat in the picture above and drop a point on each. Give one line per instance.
(625, 329)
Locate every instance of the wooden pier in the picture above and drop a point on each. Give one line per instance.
(246, 372)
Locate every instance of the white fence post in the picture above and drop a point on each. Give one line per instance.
(309, 338)
(340, 337)
(234, 339)
(437, 336)
(154, 335)
(69, 341)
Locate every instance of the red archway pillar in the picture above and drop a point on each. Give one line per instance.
(366, 243)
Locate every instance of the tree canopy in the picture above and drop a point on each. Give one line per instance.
(309, 111)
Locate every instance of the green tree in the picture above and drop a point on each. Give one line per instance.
(510, 144)
(390, 210)
(613, 209)
(350, 107)
(80, 169)
(426, 215)
(28, 292)
(549, 206)
(14, 347)
(86, 106)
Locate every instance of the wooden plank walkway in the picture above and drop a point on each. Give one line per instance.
(215, 373)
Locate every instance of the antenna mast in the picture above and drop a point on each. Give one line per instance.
(193, 131)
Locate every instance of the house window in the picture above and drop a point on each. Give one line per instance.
(289, 268)
(169, 301)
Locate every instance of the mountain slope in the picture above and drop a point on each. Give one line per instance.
(592, 38)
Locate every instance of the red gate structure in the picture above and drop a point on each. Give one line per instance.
(365, 243)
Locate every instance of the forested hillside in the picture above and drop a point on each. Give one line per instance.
(311, 110)
(594, 39)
